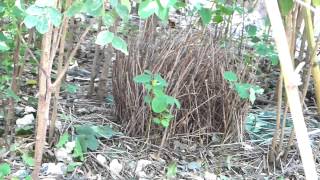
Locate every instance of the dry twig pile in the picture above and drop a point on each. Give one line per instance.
(193, 63)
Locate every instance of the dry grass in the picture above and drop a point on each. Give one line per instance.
(193, 63)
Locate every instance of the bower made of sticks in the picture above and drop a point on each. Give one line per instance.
(193, 64)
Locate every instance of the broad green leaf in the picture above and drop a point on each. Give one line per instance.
(4, 169)
(165, 122)
(120, 44)
(217, 18)
(104, 131)
(104, 38)
(42, 25)
(251, 30)
(84, 130)
(3, 46)
(157, 121)
(163, 13)
(127, 4)
(171, 170)
(28, 177)
(243, 90)
(159, 104)
(160, 80)
(54, 16)
(77, 151)
(206, 15)
(108, 19)
(285, 6)
(143, 78)
(72, 166)
(316, 3)
(123, 12)
(262, 49)
(28, 160)
(227, 10)
(30, 21)
(63, 140)
(230, 76)
(92, 5)
(114, 3)
(75, 8)
(147, 8)
(35, 10)
(179, 5)
(95, 12)
(92, 142)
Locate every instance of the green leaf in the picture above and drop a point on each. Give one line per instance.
(285, 6)
(160, 80)
(104, 38)
(163, 13)
(114, 3)
(251, 30)
(120, 44)
(4, 169)
(84, 130)
(147, 8)
(143, 78)
(2, 7)
(316, 3)
(77, 151)
(243, 90)
(157, 121)
(30, 21)
(28, 160)
(72, 166)
(63, 140)
(159, 104)
(70, 88)
(54, 16)
(165, 122)
(104, 131)
(42, 25)
(171, 170)
(28, 177)
(206, 15)
(92, 5)
(179, 5)
(35, 10)
(11, 94)
(217, 18)
(230, 76)
(44, 3)
(108, 19)
(127, 4)
(123, 12)
(3, 46)
(74, 9)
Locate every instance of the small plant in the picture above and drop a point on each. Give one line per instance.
(5, 170)
(244, 90)
(156, 97)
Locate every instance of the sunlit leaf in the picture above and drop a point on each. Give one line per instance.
(4, 169)
(55, 16)
(120, 44)
(206, 15)
(147, 8)
(316, 3)
(28, 160)
(42, 25)
(3, 46)
(104, 37)
(63, 140)
(75, 8)
(171, 170)
(230, 76)
(159, 104)
(30, 21)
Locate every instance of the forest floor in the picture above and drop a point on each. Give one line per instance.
(124, 157)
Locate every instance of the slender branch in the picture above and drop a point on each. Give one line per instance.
(73, 53)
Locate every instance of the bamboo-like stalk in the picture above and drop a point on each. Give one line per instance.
(291, 87)
(312, 44)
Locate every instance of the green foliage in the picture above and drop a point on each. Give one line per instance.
(316, 3)
(244, 90)
(86, 139)
(63, 140)
(285, 6)
(171, 170)
(156, 97)
(5, 170)
(27, 159)
(72, 166)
